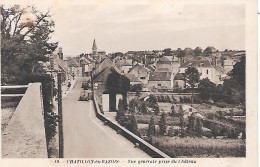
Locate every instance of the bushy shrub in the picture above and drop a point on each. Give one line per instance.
(162, 124)
(199, 147)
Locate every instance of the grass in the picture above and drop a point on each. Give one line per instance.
(200, 147)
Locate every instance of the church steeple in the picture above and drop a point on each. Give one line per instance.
(94, 48)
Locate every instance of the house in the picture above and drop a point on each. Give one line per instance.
(228, 65)
(86, 65)
(204, 67)
(74, 68)
(179, 81)
(164, 64)
(101, 90)
(161, 80)
(140, 72)
(133, 79)
(124, 65)
(105, 63)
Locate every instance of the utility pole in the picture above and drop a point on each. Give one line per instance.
(61, 150)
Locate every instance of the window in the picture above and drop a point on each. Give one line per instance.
(177, 84)
(142, 77)
(207, 71)
(159, 84)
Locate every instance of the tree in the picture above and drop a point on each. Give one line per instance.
(136, 88)
(134, 127)
(181, 111)
(215, 129)
(151, 129)
(167, 51)
(198, 51)
(235, 86)
(192, 77)
(120, 112)
(182, 123)
(162, 124)
(209, 50)
(191, 125)
(180, 53)
(198, 127)
(144, 108)
(171, 131)
(156, 109)
(132, 106)
(173, 111)
(207, 88)
(25, 42)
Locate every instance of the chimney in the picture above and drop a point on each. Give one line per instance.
(60, 54)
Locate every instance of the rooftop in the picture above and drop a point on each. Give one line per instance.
(160, 76)
(196, 63)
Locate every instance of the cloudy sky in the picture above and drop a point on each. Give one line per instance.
(122, 25)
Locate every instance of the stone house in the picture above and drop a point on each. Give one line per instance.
(101, 90)
(74, 68)
(204, 67)
(141, 73)
(179, 81)
(164, 64)
(124, 65)
(105, 63)
(133, 79)
(86, 65)
(161, 80)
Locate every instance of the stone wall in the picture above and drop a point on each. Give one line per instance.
(24, 136)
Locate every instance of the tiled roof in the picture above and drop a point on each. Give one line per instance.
(196, 63)
(220, 69)
(164, 60)
(132, 78)
(83, 60)
(126, 63)
(73, 62)
(138, 65)
(179, 76)
(162, 70)
(102, 76)
(160, 76)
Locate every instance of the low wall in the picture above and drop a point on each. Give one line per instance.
(146, 147)
(24, 136)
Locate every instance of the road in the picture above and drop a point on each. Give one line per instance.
(85, 136)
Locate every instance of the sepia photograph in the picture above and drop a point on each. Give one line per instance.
(124, 79)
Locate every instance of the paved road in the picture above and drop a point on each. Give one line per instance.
(85, 136)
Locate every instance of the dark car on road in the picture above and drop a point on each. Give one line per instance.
(85, 85)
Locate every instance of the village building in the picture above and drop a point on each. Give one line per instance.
(204, 67)
(161, 80)
(228, 65)
(97, 55)
(108, 101)
(74, 68)
(179, 81)
(141, 73)
(106, 62)
(164, 64)
(133, 79)
(86, 65)
(123, 64)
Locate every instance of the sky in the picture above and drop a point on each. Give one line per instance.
(121, 25)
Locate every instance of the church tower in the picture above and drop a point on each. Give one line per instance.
(94, 48)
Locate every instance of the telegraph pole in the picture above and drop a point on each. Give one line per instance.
(61, 150)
